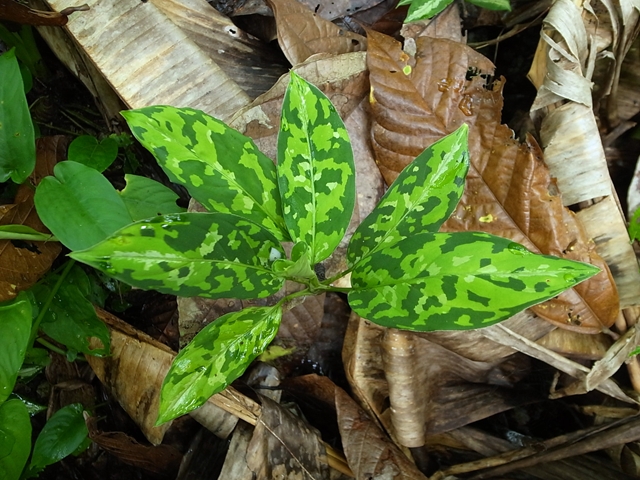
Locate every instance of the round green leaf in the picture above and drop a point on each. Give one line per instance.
(146, 198)
(98, 155)
(15, 439)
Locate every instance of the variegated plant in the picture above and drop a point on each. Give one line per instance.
(404, 273)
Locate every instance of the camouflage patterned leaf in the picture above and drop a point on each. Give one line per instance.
(457, 281)
(219, 354)
(210, 255)
(419, 200)
(221, 168)
(316, 172)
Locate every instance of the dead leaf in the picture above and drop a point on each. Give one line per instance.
(509, 191)
(23, 263)
(302, 33)
(15, 12)
(371, 455)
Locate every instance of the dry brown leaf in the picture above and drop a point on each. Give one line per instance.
(22, 263)
(509, 191)
(302, 33)
(16, 12)
(370, 453)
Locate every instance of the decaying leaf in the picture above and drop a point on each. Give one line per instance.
(22, 263)
(16, 12)
(302, 33)
(509, 192)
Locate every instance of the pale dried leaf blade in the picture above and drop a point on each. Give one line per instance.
(509, 191)
(302, 33)
(149, 60)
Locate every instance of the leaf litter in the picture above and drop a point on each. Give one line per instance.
(422, 388)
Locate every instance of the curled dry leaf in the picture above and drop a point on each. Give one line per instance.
(509, 192)
(302, 33)
(22, 263)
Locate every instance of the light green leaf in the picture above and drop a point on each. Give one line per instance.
(17, 139)
(217, 355)
(299, 267)
(98, 155)
(210, 255)
(221, 168)
(457, 281)
(421, 9)
(316, 172)
(22, 232)
(634, 225)
(146, 198)
(15, 328)
(15, 439)
(61, 436)
(420, 200)
(492, 4)
(79, 205)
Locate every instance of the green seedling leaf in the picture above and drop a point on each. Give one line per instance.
(146, 198)
(35, 360)
(22, 232)
(634, 225)
(211, 255)
(17, 139)
(299, 267)
(98, 155)
(65, 431)
(15, 329)
(15, 439)
(419, 200)
(221, 168)
(80, 206)
(457, 281)
(219, 354)
(71, 319)
(316, 173)
(492, 4)
(421, 9)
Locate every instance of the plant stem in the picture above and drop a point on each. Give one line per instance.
(58, 350)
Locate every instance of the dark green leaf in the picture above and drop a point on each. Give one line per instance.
(146, 198)
(80, 206)
(15, 329)
(212, 255)
(61, 436)
(419, 200)
(17, 140)
(98, 155)
(15, 439)
(219, 354)
(457, 281)
(316, 172)
(221, 168)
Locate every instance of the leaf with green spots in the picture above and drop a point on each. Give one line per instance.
(299, 268)
(217, 355)
(211, 255)
(457, 281)
(419, 200)
(316, 172)
(221, 168)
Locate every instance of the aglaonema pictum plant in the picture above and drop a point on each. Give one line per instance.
(404, 274)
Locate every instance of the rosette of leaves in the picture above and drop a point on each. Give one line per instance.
(404, 273)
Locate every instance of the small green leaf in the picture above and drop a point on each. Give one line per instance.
(634, 226)
(457, 281)
(15, 439)
(61, 436)
(421, 9)
(80, 206)
(15, 328)
(211, 255)
(299, 267)
(17, 139)
(316, 172)
(217, 355)
(98, 155)
(420, 200)
(492, 4)
(146, 198)
(22, 232)
(221, 168)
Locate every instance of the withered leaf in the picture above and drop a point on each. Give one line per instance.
(23, 263)
(509, 192)
(16, 12)
(302, 33)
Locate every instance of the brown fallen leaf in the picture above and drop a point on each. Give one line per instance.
(22, 263)
(16, 12)
(418, 99)
(302, 33)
